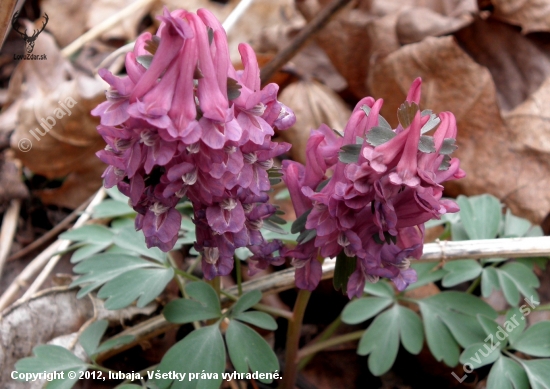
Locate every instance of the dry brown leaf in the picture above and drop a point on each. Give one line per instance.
(370, 29)
(509, 160)
(519, 64)
(531, 15)
(67, 18)
(346, 41)
(313, 103)
(55, 95)
(103, 9)
(452, 8)
(11, 186)
(415, 24)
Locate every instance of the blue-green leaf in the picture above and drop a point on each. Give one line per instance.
(202, 305)
(480, 215)
(246, 301)
(49, 358)
(258, 319)
(201, 350)
(538, 371)
(453, 313)
(507, 374)
(360, 310)
(460, 271)
(141, 284)
(248, 349)
(535, 340)
(89, 339)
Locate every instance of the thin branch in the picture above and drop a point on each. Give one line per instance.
(236, 14)
(38, 263)
(314, 26)
(316, 347)
(9, 226)
(51, 233)
(98, 198)
(104, 26)
(433, 252)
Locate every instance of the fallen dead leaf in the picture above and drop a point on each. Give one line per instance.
(313, 103)
(518, 64)
(126, 29)
(531, 15)
(67, 18)
(55, 135)
(370, 29)
(11, 186)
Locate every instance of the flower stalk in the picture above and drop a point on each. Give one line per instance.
(293, 339)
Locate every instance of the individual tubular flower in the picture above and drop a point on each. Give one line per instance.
(185, 123)
(365, 196)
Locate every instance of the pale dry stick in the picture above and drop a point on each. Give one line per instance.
(22, 280)
(104, 26)
(51, 233)
(314, 26)
(9, 226)
(98, 198)
(236, 14)
(433, 252)
(39, 262)
(228, 24)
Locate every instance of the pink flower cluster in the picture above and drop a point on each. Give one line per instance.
(184, 122)
(367, 194)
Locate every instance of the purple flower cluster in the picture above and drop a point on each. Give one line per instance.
(184, 122)
(366, 194)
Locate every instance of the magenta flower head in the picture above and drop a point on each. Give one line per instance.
(364, 196)
(185, 123)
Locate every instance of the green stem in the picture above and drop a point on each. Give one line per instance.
(177, 276)
(293, 338)
(327, 333)
(239, 276)
(95, 366)
(260, 307)
(545, 307)
(474, 285)
(141, 373)
(316, 347)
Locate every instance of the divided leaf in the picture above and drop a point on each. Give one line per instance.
(349, 153)
(379, 135)
(480, 215)
(507, 374)
(203, 304)
(248, 349)
(246, 301)
(360, 310)
(49, 358)
(460, 271)
(201, 350)
(535, 341)
(381, 339)
(449, 320)
(124, 279)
